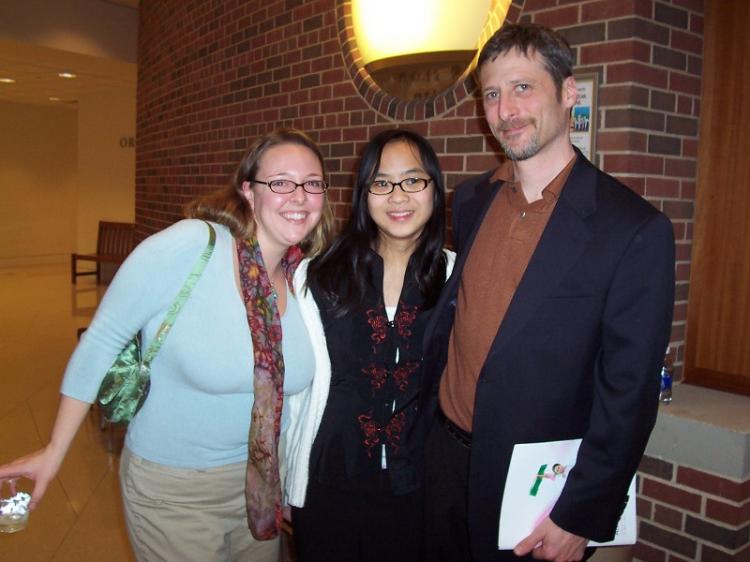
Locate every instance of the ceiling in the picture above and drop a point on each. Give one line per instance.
(35, 69)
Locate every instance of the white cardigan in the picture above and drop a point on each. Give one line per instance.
(306, 408)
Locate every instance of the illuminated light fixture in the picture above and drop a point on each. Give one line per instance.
(66, 75)
(7, 81)
(53, 98)
(393, 28)
(417, 48)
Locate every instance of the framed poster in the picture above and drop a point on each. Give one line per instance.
(583, 116)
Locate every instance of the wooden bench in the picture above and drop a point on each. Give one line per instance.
(114, 242)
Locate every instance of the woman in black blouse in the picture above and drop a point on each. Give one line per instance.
(375, 286)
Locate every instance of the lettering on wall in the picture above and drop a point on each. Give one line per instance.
(127, 142)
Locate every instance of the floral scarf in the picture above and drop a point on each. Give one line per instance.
(263, 485)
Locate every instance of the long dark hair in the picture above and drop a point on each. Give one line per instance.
(344, 271)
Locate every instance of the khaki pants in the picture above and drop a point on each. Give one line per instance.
(185, 515)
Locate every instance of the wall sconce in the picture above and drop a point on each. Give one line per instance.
(415, 49)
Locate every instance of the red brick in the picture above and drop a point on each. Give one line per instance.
(560, 17)
(667, 539)
(687, 42)
(696, 24)
(680, 167)
(635, 183)
(623, 94)
(638, 27)
(737, 514)
(355, 134)
(682, 273)
(634, 118)
(678, 332)
(615, 51)
(477, 126)
(621, 141)
(481, 163)
(694, 5)
(678, 209)
(706, 531)
(709, 554)
(684, 83)
(633, 164)
(671, 495)
(533, 5)
(448, 127)
(637, 72)
(648, 553)
(668, 517)
(723, 487)
(662, 187)
(606, 9)
(582, 34)
(670, 15)
(452, 163)
(643, 507)
(687, 189)
(656, 467)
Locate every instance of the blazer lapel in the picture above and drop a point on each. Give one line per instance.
(472, 214)
(563, 240)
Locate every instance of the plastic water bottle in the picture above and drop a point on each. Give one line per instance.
(665, 394)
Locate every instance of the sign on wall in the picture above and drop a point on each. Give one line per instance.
(583, 116)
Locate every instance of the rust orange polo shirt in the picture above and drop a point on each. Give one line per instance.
(502, 249)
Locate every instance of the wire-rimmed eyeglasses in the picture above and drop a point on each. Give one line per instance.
(315, 187)
(409, 185)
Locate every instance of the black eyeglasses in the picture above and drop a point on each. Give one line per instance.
(315, 187)
(409, 185)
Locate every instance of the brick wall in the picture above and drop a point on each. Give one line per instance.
(688, 514)
(213, 75)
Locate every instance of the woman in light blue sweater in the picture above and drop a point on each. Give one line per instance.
(185, 463)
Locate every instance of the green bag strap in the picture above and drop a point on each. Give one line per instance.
(182, 297)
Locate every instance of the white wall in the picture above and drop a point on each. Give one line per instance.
(38, 176)
(62, 170)
(106, 170)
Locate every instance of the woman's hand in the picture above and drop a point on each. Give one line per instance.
(40, 466)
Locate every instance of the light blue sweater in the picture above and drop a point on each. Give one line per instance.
(197, 413)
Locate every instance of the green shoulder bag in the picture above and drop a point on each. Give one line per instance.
(127, 382)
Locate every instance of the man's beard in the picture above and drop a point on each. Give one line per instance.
(521, 153)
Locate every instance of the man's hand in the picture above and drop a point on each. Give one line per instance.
(550, 542)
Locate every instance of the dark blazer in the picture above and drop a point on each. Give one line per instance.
(578, 353)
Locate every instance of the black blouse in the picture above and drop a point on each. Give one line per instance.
(371, 438)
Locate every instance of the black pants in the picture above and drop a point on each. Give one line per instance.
(340, 526)
(447, 533)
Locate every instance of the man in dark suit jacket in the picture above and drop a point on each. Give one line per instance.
(553, 325)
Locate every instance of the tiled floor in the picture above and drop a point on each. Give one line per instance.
(80, 518)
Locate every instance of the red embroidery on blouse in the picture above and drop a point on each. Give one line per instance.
(402, 373)
(378, 323)
(394, 428)
(377, 376)
(405, 318)
(371, 430)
